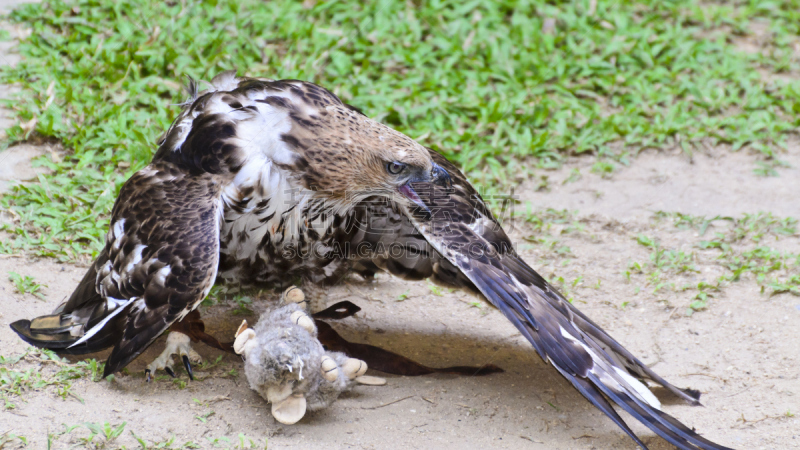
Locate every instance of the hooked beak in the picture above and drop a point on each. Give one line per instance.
(437, 176)
(440, 177)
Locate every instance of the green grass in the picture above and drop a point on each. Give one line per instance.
(25, 284)
(233, 295)
(716, 252)
(165, 445)
(105, 432)
(486, 82)
(105, 436)
(11, 440)
(738, 247)
(39, 369)
(544, 227)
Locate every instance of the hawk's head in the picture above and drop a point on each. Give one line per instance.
(349, 156)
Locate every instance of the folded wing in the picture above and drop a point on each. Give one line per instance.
(159, 261)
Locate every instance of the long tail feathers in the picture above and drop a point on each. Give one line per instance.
(62, 341)
(79, 316)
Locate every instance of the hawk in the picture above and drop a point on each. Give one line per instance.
(264, 181)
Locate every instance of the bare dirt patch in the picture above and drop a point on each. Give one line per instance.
(715, 182)
(16, 164)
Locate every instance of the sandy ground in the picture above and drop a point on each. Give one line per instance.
(742, 352)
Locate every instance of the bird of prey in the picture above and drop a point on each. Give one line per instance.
(264, 181)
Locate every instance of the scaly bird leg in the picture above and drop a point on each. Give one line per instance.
(190, 329)
(178, 343)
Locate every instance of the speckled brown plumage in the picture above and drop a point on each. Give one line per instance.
(277, 181)
(170, 224)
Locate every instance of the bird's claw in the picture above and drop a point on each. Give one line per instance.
(177, 344)
(188, 366)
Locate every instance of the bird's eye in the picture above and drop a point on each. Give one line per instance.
(395, 168)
